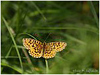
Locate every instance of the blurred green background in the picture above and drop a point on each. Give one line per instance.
(75, 23)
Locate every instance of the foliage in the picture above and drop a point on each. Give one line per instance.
(75, 23)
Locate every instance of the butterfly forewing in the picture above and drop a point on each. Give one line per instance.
(59, 46)
(35, 47)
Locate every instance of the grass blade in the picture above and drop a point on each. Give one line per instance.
(28, 35)
(14, 43)
(94, 12)
(73, 38)
(5, 63)
(8, 52)
(39, 11)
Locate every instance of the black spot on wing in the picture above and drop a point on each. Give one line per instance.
(33, 45)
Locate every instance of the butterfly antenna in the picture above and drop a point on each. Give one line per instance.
(46, 37)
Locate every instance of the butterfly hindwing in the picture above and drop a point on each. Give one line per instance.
(49, 50)
(35, 47)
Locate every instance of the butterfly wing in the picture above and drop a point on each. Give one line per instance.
(35, 47)
(49, 51)
(59, 46)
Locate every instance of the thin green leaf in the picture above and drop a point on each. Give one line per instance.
(94, 12)
(13, 42)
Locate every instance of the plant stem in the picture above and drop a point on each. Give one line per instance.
(46, 66)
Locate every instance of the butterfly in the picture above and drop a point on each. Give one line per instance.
(38, 49)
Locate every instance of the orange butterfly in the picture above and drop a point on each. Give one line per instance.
(38, 49)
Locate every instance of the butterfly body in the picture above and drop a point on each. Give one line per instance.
(38, 49)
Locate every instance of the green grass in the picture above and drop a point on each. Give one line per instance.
(75, 23)
(14, 43)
